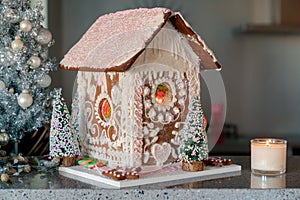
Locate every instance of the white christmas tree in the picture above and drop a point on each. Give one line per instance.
(195, 145)
(24, 68)
(63, 143)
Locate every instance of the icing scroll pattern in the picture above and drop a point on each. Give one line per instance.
(138, 121)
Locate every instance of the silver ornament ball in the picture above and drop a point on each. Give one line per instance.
(25, 26)
(17, 44)
(44, 36)
(34, 62)
(6, 57)
(4, 138)
(25, 99)
(45, 81)
(2, 86)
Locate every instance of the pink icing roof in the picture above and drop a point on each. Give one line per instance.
(115, 40)
(111, 30)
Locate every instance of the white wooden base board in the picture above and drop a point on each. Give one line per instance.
(172, 174)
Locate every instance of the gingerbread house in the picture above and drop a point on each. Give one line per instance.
(137, 73)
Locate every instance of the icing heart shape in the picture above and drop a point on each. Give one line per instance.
(161, 152)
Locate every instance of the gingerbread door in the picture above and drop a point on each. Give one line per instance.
(164, 109)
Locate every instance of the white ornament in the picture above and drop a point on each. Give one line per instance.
(25, 99)
(25, 26)
(34, 62)
(2, 86)
(44, 36)
(45, 81)
(17, 44)
(6, 57)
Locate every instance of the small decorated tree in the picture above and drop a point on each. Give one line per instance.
(195, 146)
(63, 143)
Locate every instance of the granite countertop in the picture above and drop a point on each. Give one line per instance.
(242, 185)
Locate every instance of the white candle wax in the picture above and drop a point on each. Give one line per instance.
(268, 155)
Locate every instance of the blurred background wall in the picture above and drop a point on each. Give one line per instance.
(261, 72)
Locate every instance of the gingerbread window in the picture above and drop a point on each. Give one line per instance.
(105, 110)
(163, 94)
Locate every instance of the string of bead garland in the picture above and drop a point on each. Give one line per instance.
(24, 68)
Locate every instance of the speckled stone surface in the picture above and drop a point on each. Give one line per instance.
(243, 186)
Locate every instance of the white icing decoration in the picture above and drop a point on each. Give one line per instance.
(138, 125)
(146, 131)
(177, 125)
(150, 125)
(154, 132)
(152, 113)
(182, 93)
(174, 153)
(176, 139)
(181, 86)
(169, 117)
(116, 95)
(146, 156)
(146, 91)
(176, 110)
(154, 139)
(181, 101)
(111, 75)
(92, 91)
(148, 104)
(161, 152)
(160, 117)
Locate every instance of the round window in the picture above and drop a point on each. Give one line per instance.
(163, 94)
(105, 109)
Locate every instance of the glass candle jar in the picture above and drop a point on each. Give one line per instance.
(264, 182)
(268, 156)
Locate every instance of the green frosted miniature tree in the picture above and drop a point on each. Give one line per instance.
(195, 145)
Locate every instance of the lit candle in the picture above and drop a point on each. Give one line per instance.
(268, 156)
